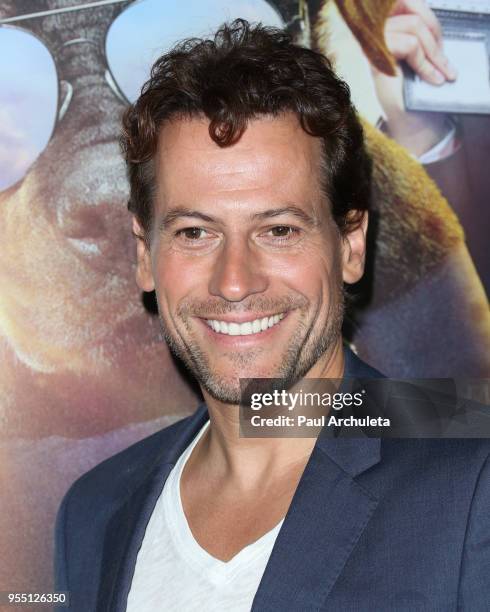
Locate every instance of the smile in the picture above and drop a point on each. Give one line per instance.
(256, 326)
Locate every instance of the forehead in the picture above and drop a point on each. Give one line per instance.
(274, 157)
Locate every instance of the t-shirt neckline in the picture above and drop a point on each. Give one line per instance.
(185, 541)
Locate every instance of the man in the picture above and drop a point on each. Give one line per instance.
(249, 193)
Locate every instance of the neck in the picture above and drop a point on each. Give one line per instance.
(253, 460)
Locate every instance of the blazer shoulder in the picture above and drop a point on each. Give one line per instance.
(117, 475)
(456, 461)
(93, 499)
(461, 452)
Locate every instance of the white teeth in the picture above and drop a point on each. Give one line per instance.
(244, 329)
(233, 329)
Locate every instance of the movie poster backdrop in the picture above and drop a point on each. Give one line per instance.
(84, 371)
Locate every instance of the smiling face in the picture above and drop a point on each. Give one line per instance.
(245, 258)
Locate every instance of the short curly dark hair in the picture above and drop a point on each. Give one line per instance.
(244, 72)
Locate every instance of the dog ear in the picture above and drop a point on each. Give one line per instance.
(366, 19)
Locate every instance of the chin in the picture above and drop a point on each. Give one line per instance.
(255, 369)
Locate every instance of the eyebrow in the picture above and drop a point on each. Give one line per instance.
(179, 212)
(287, 210)
(182, 212)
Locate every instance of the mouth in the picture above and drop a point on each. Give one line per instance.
(247, 328)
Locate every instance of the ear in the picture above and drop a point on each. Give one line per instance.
(354, 251)
(144, 274)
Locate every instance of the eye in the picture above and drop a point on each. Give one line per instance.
(192, 233)
(282, 231)
(196, 239)
(282, 235)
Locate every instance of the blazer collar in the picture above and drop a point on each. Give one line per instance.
(126, 529)
(325, 520)
(353, 455)
(328, 514)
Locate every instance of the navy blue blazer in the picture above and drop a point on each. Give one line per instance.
(374, 525)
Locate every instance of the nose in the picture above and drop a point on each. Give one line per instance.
(237, 273)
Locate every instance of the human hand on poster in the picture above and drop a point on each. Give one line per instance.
(413, 34)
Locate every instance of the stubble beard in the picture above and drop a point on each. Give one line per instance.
(303, 352)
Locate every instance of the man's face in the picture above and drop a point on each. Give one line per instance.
(245, 258)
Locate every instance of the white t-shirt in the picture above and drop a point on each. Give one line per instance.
(174, 573)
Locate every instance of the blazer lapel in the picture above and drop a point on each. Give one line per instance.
(328, 514)
(123, 539)
(126, 528)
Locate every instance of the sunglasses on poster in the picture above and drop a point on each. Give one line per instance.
(107, 35)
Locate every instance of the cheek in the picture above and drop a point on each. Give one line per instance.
(177, 277)
(313, 272)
